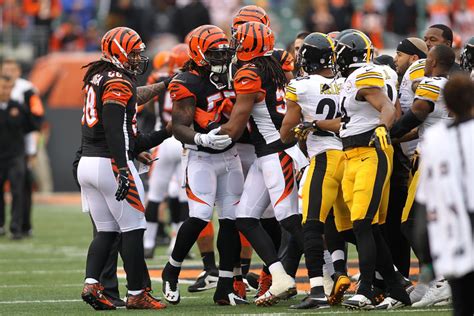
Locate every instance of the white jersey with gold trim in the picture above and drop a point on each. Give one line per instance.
(360, 116)
(391, 81)
(431, 90)
(318, 98)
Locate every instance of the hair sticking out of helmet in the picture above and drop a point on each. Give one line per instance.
(209, 47)
(252, 40)
(179, 55)
(122, 47)
(250, 13)
(353, 50)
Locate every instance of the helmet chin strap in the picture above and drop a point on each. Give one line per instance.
(216, 84)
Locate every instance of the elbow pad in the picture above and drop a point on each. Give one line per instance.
(406, 123)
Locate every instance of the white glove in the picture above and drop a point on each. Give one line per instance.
(213, 140)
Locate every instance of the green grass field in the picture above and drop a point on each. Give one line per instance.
(43, 275)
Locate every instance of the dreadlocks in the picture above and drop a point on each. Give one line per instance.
(190, 65)
(96, 67)
(271, 68)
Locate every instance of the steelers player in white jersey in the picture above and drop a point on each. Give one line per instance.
(445, 193)
(467, 58)
(312, 98)
(427, 109)
(367, 114)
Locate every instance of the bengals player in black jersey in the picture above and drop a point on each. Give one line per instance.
(109, 182)
(213, 171)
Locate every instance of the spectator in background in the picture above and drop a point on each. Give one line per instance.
(25, 94)
(401, 17)
(44, 12)
(438, 12)
(370, 21)
(319, 17)
(296, 47)
(79, 11)
(67, 37)
(15, 122)
(463, 18)
(342, 10)
(189, 17)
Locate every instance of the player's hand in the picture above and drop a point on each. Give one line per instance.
(302, 130)
(380, 138)
(123, 184)
(213, 139)
(145, 158)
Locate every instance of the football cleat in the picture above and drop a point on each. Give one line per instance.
(252, 280)
(264, 283)
(282, 289)
(224, 294)
(240, 288)
(118, 303)
(417, 294)
(312, 302)
(438, 294)
(143, 301)
(341, 284)
(206, 280)
(170, 286)
(358, 301)
(92, 295)
(390, 303)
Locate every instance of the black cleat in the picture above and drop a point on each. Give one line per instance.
(312, 302)
(206, 280)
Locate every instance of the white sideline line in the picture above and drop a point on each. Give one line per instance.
(14, 286)
(319, 312)
(69, 301)
(14, 272)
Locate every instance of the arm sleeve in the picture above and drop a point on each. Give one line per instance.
(150, 140)
(247, 81)
(113, 115)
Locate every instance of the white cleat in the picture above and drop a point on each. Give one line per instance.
(390, 303)
(171, 293)
(282, 288)
(417, 294)
(438, 294)
(358, 301)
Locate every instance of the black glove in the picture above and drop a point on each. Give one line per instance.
(123, 184)
(380, 138)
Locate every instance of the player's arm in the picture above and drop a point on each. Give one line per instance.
(150, 140)
(148, 92)
(380, 101)
(182, 118)
(333, 125)
(292, 118)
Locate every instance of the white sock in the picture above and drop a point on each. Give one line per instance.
(328, 267)
(149, 238)
(317, 281)
(175, 263)
(135, 292)
(237, 271)
(276, 269)
(337, 255)
(226, 274)
(91, 281)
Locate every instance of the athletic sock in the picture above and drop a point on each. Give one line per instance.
(227, 242)
(245, 264)
(133, 258)
(258, 238)
(314, 248)
(317, 288)
(292, 259)
(187, 236)
(273, 229)
(98, 253)
(173, 204)
(367, 253)
(209, 261)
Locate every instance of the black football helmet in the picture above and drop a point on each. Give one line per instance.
(316, 52)
(353, 50)
(467, 56)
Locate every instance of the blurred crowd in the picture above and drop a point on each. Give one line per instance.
(77, 25)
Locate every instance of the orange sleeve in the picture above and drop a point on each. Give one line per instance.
(287, 61)
(117, 91)
(179, 91)
(36, 106)
(247, 81)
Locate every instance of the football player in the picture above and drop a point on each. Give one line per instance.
(109, 181)
(428, 108)
(467, 57)
(213, 170)
(440, 34)
(367, 113)
(169, 162)
(312, 98)
(259, 85)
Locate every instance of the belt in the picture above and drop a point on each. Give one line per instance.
(359, 140)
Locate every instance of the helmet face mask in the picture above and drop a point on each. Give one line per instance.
(137, 64)
(218, 59)
(467, 56)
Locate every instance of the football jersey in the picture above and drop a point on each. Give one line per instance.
(431, 90)
(360, 116)
(162, 103)
(391, 82)
(116, 87)
(285, 59)
(414, 73)
(210, 103)
(318, 98)
(267, 114)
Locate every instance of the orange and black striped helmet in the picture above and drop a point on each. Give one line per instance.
(179, 55)
(122, 46)
(209, 46)
(161, 59)
(251, 40)
(250, 13)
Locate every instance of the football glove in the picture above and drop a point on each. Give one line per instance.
(302, 130)
(380, 138)
(123, 184)
(213, 140)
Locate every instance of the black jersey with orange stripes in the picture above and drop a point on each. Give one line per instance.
(108, 86)
(267, 114)
(285, 59)
(162, 103)
(210, 102)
